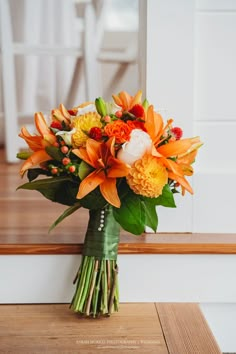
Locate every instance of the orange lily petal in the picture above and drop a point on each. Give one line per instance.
(64, 111)
(188, 158)
(126, 100)
(117, 169)
(109, 192)
(177, 147)
(187, 169)
(137, 98)
(82, 154)
(35, 159)
(90, 183)
(93, 149)
(182, 181)
(41, 124)
(154, 124)
(172, 166)
(34, 142)
(117, 100)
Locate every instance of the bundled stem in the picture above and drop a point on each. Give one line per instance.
(97, 290)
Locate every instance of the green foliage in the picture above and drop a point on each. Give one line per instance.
(151, 218)
(131, 214)
(62, 190)
(33, 173)
(93, 200)
(55, 153)
(64, 215)
(84, 170)
(166, 199)
(137, 211)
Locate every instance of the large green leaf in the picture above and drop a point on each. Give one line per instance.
(131, 214)
(166, 199)
(62, 190)
(151, 218)
(33, 173)
(93, 200)
(64, 215)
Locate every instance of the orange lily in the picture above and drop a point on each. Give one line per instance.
(37, 143)
(101, 156)
(183, 151)
(126, 101)
(61, 114)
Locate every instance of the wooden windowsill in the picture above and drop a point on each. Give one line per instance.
(146, 244)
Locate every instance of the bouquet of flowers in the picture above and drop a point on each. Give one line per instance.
(119, 160)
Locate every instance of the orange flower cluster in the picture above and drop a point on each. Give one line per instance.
(95, 132)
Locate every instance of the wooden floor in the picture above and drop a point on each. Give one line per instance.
(140, 328)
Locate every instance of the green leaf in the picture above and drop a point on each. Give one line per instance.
(151, 218)
(60, 189)
(23, 155)
(64, 215)
(54, 152)
(33, 173)
(166, 199)
(84, 170)
(93, 200)
(131, 214)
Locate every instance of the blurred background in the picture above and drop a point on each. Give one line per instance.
(57, 51)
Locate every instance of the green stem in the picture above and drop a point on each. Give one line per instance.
(92, 288)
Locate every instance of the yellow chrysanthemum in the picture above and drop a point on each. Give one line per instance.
(82, 125)
(147, 177)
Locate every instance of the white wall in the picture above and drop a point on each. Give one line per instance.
(215, 115)
(191, 56)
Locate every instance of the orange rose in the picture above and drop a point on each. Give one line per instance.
(118, 129)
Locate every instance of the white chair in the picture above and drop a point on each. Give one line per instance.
(88, 58)
(13, 119)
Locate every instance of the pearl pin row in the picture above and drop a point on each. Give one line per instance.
(102, 220)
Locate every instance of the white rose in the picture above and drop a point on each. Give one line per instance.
(133, 150)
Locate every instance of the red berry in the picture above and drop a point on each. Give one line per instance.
(95, 133)
(54, 170)
(107, 119)
(56, 144)
(66, 161)
(137, 110)
(72, 168)
(72, 112)
(118, 114)
(177, 132)
(64, 149)
(56, 125)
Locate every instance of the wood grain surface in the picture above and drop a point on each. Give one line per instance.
(185, 329)
(140, 328)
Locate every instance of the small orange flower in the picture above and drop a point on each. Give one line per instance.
(118, 129)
